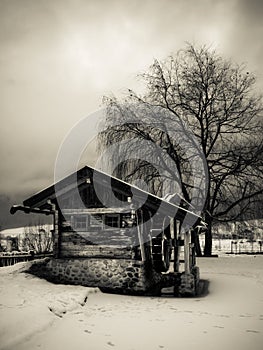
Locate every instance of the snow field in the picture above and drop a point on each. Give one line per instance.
(36, 314)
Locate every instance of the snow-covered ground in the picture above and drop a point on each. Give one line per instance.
(35, 314)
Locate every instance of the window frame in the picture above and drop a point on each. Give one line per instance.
(111, 216)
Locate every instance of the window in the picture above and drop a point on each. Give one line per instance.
(112, 220)
(80, 223)
(95, 221)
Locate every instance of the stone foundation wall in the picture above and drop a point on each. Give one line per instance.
(120, 275)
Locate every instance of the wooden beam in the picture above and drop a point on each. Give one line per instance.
(56, 240)
(101, 210)
(141, 241)
(70, 250)
(177, 248)
(173, 237)
(187, 241)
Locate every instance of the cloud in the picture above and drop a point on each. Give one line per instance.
(252, 11)
(58, 58)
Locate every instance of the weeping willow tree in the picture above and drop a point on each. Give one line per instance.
(198, 123)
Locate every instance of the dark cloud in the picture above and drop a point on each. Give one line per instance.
(252, 11)
(59, 57)
(19, 219)
(243, 41)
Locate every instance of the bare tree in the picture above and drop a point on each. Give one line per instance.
(215, 99)
(38, 239)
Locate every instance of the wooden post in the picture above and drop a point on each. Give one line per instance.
(193, 246)
(174, 229)
(142, 247)
(187, 241)
(173, 236)
(140, 236)
(55, 230)
(177, 247)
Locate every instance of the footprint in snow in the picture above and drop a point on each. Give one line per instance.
(252, 331)
(110, 343)
(246, 315)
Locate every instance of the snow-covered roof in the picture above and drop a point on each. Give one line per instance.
(40, 198)
(15, 231)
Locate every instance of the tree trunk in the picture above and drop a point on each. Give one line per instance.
(208, 237)
(196, 241)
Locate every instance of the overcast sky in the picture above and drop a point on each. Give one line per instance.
(59, 57)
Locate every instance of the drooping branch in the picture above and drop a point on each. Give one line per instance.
(213, 98)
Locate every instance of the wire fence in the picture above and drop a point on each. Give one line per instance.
(235, 246)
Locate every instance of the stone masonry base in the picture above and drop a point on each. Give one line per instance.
(113, 275)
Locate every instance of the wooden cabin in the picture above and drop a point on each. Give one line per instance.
(110, 234)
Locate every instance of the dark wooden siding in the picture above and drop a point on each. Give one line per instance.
(92, 244)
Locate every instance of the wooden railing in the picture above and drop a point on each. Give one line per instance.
(11, 259)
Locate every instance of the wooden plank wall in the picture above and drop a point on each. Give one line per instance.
(92, 244)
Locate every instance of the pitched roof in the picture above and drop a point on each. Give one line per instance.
(39, 199)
